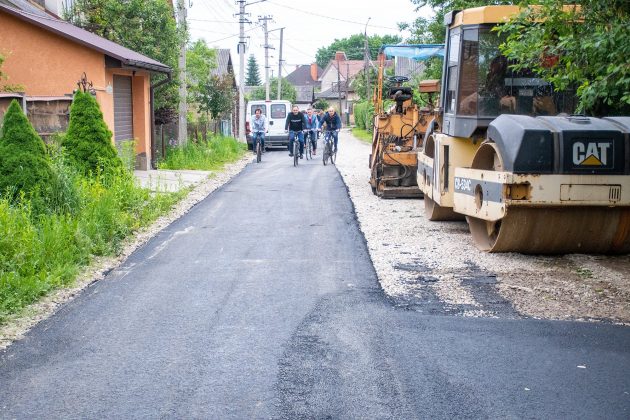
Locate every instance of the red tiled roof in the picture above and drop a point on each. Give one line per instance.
(349, 68)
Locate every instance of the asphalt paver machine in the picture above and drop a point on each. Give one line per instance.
(398, 132)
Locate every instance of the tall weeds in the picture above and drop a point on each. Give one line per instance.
(45, 242)
(203, 155)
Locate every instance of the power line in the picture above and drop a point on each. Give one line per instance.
(298, 50)
(210, 20)
(207, 30)
(231, 36)
(329, 17)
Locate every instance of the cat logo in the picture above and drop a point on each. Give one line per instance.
(592, 153)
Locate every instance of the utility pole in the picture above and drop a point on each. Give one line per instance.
(346, 90)
(264, 20)
(280, 66)
(366, 58)
(182, 134)
(241, 70)
(339, 85)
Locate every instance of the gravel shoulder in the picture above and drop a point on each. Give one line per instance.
(435, 267)
(98, 269)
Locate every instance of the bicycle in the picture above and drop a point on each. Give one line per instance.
(258, 146)
(330, 152)
(308, 147)
(296, 147)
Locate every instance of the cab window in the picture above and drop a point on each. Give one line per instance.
(452, 69)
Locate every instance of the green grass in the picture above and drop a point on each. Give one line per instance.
(207, 156)
(362, 135)
(46, 240)
(45, 243)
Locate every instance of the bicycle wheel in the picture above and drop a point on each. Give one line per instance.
(333, 155)
(307, 147)
(296, 152)
(258, 152)
(325, 154)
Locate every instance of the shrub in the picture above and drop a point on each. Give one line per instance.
(88, 142)
(321, 104)
(363, 113)
(24, 165)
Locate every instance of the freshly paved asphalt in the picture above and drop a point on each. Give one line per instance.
(262, 303)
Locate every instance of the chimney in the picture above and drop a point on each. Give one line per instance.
(314, 72)
(340, 56)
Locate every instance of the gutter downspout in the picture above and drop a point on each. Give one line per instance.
(152, 106)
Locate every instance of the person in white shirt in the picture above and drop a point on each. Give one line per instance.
(259, 127)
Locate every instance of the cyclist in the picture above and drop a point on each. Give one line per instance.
(259, 127)
(333, 124)
(312, 125)
(295, 123)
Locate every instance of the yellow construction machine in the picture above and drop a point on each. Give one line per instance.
(398, 133)
(505, 153)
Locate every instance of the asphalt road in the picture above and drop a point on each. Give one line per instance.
(262, 302)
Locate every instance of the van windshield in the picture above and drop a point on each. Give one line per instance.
(262, 107)
(278, 111)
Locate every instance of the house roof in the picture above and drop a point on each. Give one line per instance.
(304, 94)
(301, 76)
(330, 94)
(348, 68)
(127, 57)
(408, 67)
(224, 63)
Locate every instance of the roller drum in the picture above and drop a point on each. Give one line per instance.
(555, 230)
(434, 212)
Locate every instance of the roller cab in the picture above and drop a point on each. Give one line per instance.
(549, 185)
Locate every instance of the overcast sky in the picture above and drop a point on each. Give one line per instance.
(308, 25)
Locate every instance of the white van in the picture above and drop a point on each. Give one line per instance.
(276, 113)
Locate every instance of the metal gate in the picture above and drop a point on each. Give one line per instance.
(123, 109)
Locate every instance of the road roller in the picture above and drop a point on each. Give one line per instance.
(505, 153)
(398, 133)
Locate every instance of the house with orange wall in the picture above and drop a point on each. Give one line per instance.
(47, 57)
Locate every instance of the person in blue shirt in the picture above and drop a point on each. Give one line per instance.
(295, 124)
(333, 124)
(312, 125)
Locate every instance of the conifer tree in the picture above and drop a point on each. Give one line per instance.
(88, 142)
(253, 73)
(24, 164)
